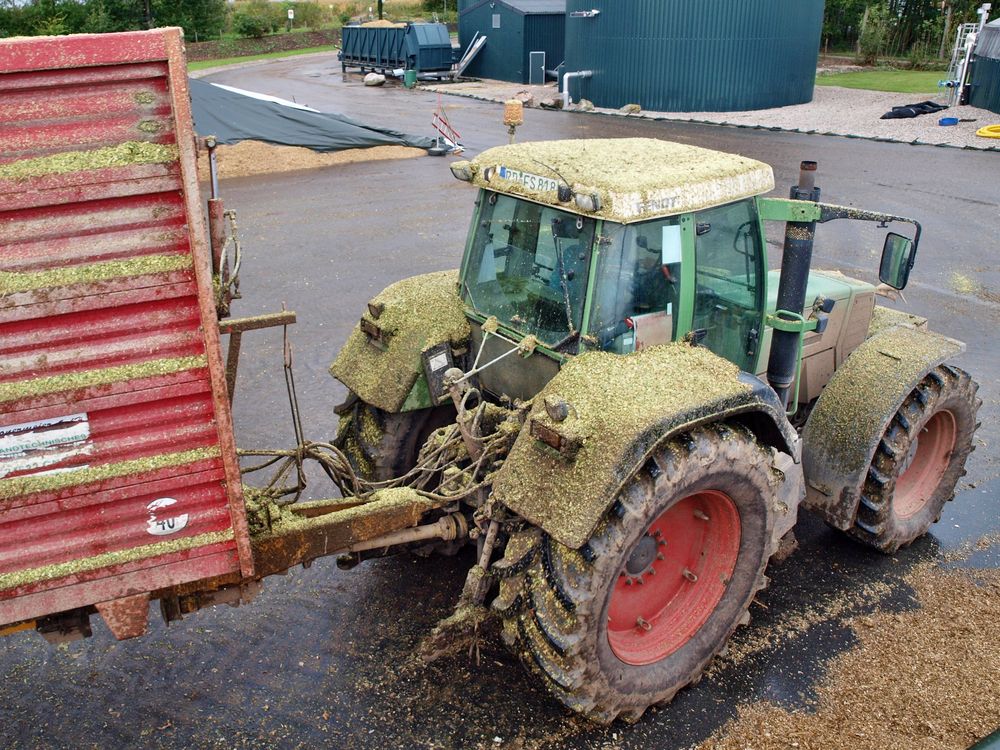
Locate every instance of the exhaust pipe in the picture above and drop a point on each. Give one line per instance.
(795, 264)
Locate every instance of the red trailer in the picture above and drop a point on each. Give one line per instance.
(118, 470)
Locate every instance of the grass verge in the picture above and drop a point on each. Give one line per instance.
(900, 81)
(201, 64)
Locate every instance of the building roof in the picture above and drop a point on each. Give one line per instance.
(526, 7)
(635, 178)
(988, 43)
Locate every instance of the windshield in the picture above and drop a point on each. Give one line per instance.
(636, 288)
(528, 266)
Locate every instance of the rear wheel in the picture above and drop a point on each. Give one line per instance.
(381, 445)
(639, 611)
(919, 460)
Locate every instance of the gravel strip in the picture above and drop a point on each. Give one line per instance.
(833, 111)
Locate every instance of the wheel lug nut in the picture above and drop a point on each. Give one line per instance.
(700, 515)
(659, 556)
(689, 575)
(641, 623)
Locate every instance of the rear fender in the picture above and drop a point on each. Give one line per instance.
(852, 413)
(382, 360)
(564, 474)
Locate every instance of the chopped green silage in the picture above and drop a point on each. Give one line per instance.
(635, 178)
(26, 485)
(385, 511)
(866, 391)
(417, 313)
(74, 567)
(122, 155)
(13, 282)
(886, 317)
(618, 408)
(16, 390)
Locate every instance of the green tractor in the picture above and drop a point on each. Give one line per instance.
(643, 406)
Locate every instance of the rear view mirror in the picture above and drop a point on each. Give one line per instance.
(897, 260)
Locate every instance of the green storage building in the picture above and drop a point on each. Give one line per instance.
(513, 29)
(984, 83)
(690, 56)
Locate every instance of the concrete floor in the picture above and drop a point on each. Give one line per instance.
(323, 657)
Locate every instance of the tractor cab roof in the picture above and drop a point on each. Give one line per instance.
(618, 179)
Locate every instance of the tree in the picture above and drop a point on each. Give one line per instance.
(198, 18)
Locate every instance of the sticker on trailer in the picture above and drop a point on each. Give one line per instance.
(158, 526)
(528, 180)
(30, 446)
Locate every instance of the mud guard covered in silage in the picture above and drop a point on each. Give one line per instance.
(417, 313)
(854, 410)
(620, 409)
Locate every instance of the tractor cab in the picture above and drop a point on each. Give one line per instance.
(560, 253)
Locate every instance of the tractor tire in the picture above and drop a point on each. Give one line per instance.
(918, 461)
(381, 445)
(640, 610)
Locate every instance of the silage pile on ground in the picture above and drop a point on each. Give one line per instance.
(254, 157)
(926, 678)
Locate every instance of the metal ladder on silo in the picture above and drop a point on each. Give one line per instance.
(959, 61)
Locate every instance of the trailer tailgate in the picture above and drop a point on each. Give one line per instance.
(118, 470)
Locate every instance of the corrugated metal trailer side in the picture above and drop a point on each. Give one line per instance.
(118, 469)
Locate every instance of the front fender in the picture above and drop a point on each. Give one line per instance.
(414, 314)
(621, 408)
(852, 413)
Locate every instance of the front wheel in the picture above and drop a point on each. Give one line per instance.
(918, 461)
(638, 612)
(381, 445)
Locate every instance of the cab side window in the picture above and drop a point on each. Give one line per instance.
(729, 296)
(636, 286)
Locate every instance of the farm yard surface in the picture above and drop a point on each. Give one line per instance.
(846, 648)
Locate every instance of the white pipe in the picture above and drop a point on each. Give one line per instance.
(447, 528)
(566, 78)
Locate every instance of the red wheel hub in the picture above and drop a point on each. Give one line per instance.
(674, 578)
(929, 458)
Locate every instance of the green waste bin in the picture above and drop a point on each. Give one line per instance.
(410, 78)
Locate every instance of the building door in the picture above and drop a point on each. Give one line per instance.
(536, 68)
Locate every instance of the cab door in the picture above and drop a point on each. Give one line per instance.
(730, 282)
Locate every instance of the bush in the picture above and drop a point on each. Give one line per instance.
(251, 22)
(309, 15)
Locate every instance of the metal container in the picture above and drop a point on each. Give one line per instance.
(513, 30)
(423, 47)
(118, 469)
(428, 48)
(682, 56)
(379, 48)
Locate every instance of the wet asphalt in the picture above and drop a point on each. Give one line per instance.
(323, 657)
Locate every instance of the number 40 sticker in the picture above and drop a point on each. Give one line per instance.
(158, 526)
